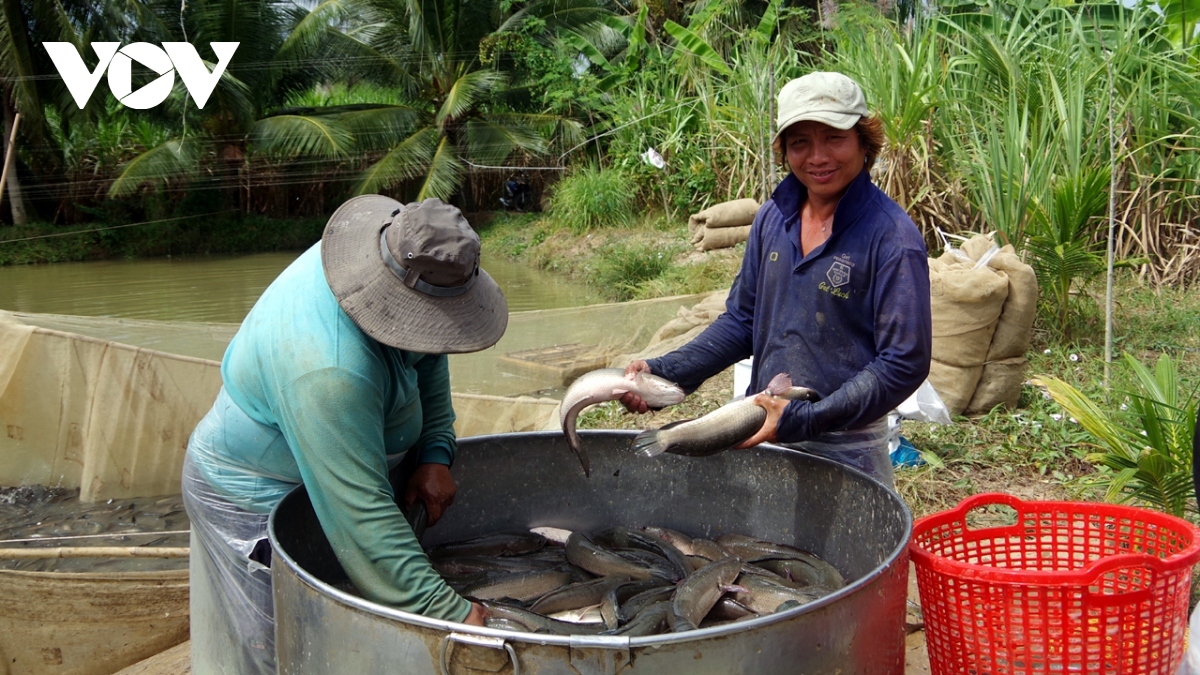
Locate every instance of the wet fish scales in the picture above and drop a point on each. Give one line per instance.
(521, 587)
(575, 596)
(764, 596)
(624, 537)
(496, 544)
(720, 429)
(673, 537)
(536, 623)
(697, 594)
(585, 553)
(610, 384)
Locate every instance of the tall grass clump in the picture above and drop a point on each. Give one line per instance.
(592, 198)
(624, 268)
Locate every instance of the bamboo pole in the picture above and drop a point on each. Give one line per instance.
(8, 155)
(94, 552)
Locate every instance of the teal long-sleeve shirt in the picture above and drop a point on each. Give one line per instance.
(329, 406)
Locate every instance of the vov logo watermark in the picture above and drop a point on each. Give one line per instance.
(171, 58)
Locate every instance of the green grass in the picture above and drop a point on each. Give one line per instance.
(591, 199)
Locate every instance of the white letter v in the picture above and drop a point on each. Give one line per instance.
(74, 73)
(199, 82)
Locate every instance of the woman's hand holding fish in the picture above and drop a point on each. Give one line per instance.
(632, 402)
(478, 615)
(774, 406)
(432, 484)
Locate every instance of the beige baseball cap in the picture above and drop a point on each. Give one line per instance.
(829, 98)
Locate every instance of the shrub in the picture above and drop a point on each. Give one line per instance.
(592, 198)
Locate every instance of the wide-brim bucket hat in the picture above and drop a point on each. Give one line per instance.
(409, 275)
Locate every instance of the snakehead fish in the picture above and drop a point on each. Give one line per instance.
(720, 429)
(610, 384)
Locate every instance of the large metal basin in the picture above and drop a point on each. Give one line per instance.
(522, 480)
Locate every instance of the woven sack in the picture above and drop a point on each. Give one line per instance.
(722, 237)
(966, 304)
(999, 384)
(727, 214)
(1015, 328)
(954, 384)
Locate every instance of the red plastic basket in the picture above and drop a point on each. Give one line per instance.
(1071, 587)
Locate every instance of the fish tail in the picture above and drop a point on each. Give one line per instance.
(647, 444)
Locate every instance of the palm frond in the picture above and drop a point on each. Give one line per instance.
(381, 126)
(1149, 449)
(467, 92)
(175, 158)
(307, 34)
(302, 135)
(1092, 417)
(558, 15)
(444, 174)
(490, 140)
(407, 160)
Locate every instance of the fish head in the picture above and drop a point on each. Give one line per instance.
(656, 391)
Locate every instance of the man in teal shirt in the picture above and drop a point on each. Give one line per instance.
(338, 372)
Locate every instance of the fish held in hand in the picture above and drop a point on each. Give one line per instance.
(610, 384)
(720, 429)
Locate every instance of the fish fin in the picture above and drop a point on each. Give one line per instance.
(646, 444)
(779, 384)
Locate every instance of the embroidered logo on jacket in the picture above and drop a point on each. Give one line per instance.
(838, 276)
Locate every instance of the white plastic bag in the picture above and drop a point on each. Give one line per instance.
(924, 405)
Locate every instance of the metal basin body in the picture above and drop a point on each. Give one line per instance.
(522, 480)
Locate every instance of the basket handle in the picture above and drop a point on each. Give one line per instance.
(1103, 566)
(966, 506)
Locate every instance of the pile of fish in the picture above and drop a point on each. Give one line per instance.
(36, 516)
(626, 581)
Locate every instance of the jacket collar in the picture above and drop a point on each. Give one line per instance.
(791, 193)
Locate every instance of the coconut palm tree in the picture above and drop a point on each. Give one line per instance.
(452, 114)
(29, 81)
(214, 137)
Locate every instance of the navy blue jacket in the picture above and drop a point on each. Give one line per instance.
(851, 320)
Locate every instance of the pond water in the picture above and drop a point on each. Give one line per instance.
(219, 289)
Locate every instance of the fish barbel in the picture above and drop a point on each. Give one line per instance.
(720, 429)
(610, 384)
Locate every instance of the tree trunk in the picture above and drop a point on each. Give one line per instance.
(16, 201)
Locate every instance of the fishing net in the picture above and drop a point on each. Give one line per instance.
(107, 405)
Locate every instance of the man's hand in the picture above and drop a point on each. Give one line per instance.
(432, 484)
(632, 402)
(774, 407)
(477, 615)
